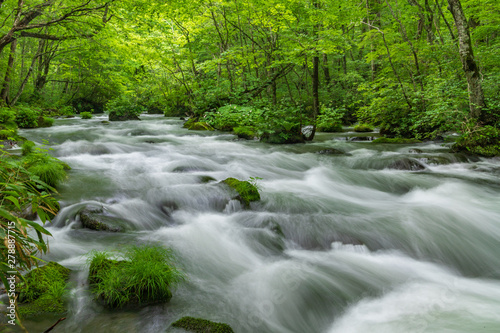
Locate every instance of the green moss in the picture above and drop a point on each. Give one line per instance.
(45, 122)
(363, 128)
(190, 122)
(330, 128)
(247, 192)
(86, 115)
(43, 290)
(200, 126)
(245, 132)
(197, 325)
(396, 140)
(27, 147)
(145, 276)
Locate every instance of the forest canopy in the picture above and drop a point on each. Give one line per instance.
(414, 69)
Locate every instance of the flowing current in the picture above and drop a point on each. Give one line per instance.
(337, 244)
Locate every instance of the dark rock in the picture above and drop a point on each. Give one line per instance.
(96, 219)
(105, 122)
(168, 207)
(182, 168)
(407, 164)
(361, 138)
(206, 179)
(415, 151)
(330, 151)
(197, 325)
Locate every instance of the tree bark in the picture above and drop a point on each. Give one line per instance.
(469, 65)
(4, 94)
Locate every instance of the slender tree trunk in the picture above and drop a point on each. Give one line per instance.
(469, 65)
(4, 94)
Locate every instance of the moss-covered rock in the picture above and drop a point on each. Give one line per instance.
(197, 325)
(43, 290)
(190, 122)
(200, 126)
(45, 121)
(363, 128)
(245, 132)
(96, 219)
(396, 140)
(247, 192)
(408, 164)
(329, 128)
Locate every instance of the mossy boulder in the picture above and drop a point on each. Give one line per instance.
(43, 290)
(190, 122)
(45, 121)
(247, 192)
(396, 140)
(197, 325)
(330, 151)
(245, 132)
(200, 126)
(363, 128)
(329, 128)
(96, 219)
(408, 164)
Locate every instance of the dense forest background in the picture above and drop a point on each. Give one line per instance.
(406, 67)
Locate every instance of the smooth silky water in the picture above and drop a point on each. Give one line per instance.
(363, 248)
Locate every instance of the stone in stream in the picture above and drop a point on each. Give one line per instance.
(246, 191)
(330, 151)
(198, 325)
(95, 219)
(113, 116)
(42, 291)
(407, 164)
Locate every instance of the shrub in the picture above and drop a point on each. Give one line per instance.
(363, 128)
(230, 116)
(86, 115)
(145, 276)
(330, 120)
(27, 117)
(27, 147)
(479, 140)
(6, 115)
(47, 168)
(124, 108)
(45, 122)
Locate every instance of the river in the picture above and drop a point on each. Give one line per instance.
(363, 247)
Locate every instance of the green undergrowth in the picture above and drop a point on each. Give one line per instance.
(479, 140)
(37, 161)
(247, 192)
(86, 115)
(147, 274)
(197, 325)
(396, 140)
(363, 128)
(245, 132)
(43, 290)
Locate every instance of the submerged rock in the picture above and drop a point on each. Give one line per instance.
(396, 140)
(330, 151)
(96, 219)
(42, 290)
(197, 325)
(122, 117)
(407, 164)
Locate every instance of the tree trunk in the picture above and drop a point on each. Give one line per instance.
(469, 65)
(4, 94)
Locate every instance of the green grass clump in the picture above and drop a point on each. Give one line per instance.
(27, 147)
(363, 128)
(198, 325)
(396, 140)
(86, 115)
(247, 192)
(146, 275)
(49, 169)
(43, 290)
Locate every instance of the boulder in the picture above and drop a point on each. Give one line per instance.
(42, 290)
(113, 116)
(197, 325)
(246, 191)
(408, 164)
(245, 132)
(97, 219)
(330, 151)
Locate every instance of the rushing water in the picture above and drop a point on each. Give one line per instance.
(364, 248)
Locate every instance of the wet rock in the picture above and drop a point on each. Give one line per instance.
(407, 164)
(206, 179)
(168, 207)
(96, 219)
(197, 325)
(361, 138)
(245, 132)
(246, 192)
(105, 122)
(330, 151)
(435, 160)
(415, 151)
(282, 138)
(396, 140)
(189, 168)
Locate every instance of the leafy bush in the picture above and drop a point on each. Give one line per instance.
(124, 108)
(6, 115)
(479, 140)
(27, 147)
(27, 117)
(146, 275)
(363, 128)
(50, 170)
(86, 115)
(19, 190)
(45, 122)
(66, 110)
(230, 116)
(330, 120)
